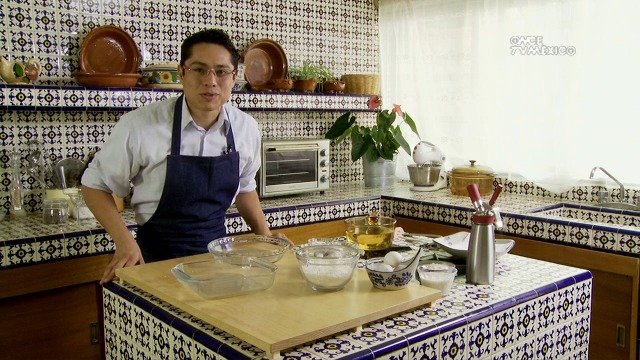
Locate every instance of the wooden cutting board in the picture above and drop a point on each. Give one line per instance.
(287, 314)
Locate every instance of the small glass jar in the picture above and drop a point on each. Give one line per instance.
(55, 211)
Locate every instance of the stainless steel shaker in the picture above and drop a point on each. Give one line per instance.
(481, 255)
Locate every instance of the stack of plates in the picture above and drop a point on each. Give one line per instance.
(109, 57)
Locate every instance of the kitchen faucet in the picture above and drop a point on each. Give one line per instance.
(623, 197)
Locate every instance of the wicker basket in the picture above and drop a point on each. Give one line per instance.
(368, 84)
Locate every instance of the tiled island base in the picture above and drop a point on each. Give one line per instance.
(534, 310)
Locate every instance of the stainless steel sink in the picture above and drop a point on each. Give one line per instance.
(599, 214)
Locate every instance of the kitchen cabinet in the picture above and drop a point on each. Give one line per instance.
(52, 310)
(614, 317)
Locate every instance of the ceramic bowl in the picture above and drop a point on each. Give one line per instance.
(239, 249)
(214, 280)
(164, 75)
(393, 280)
(106, 80)
(327, 267)
(111, 50)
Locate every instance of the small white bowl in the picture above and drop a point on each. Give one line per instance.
(438, 275)
(393, 280)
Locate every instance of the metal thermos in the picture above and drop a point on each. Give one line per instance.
(481, 255)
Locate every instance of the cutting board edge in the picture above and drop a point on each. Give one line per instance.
(426, 301)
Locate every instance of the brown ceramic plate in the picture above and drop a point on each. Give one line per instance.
(109, 49)
(106, 80)
(264, 60)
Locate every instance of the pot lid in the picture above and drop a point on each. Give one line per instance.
(170, 66)
(472, 170)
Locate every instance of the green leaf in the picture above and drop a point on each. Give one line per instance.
(411, 124)
(360, 144)
(341, 126)
(397, 135)
(18, 70)
(372, 155)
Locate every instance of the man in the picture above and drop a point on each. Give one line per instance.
(188, 159)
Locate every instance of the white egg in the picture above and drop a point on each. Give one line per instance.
(382, 267)
(393, 258)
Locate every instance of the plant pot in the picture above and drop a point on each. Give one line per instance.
(281, 84)
(381, 172)
(305, 85)
(334, 87)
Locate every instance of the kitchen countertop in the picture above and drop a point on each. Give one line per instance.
(26, 241)
(534, 309)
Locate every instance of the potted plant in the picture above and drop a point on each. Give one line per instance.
(332, 84)
(308, 76)
(378, 144)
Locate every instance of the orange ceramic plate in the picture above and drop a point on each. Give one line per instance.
(109, 50)
(264, 60)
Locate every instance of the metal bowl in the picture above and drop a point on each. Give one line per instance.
(425, 174)
(239, 249)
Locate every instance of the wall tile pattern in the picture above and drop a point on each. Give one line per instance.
(71, 121)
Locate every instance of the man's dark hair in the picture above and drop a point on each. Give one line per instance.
(210, 36)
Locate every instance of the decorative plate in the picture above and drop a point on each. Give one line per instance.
(109, 49)
(265, 60)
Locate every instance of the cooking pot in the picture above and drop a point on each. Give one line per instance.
(462, 176)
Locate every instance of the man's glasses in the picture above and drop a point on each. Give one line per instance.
(203, 72)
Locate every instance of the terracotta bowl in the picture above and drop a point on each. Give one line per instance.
(281, 84)
(305, 85)
(334, 87)
(106, 80)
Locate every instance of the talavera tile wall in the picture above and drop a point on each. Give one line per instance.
(341, 34)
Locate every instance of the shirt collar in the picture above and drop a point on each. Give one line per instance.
(187, 119)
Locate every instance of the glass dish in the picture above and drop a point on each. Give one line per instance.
(239, 249)
(215, 280)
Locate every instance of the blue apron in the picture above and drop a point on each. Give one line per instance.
(196, 195)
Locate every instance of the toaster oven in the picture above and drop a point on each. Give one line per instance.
(292, 166)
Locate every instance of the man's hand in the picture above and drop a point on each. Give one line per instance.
(127, 254)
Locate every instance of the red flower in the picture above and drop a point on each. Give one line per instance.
(398, 110)
(375, 102)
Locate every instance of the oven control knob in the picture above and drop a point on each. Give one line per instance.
(323, 178)
(323, 152)
(323, 163)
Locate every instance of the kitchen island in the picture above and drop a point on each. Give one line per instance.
(534, 310)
